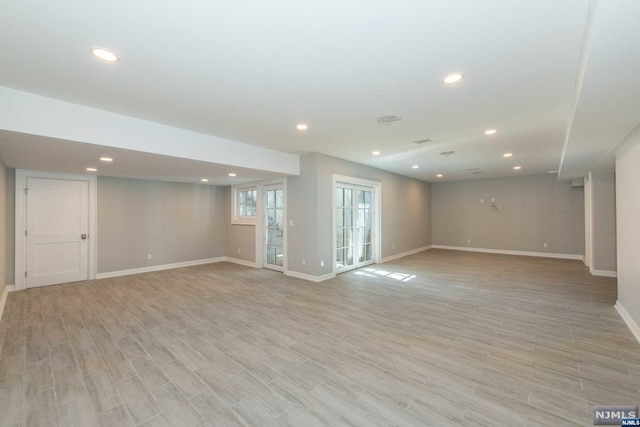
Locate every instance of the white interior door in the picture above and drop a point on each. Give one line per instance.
(274, 227)
(355, 209)
(57, 231)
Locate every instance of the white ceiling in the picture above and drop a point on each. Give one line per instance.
(248, 71)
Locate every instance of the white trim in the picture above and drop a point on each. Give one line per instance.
(404, 254)
(631, 323)
(21, 220)
(508, 252)
(3, 300)
(251, 264)
(377, 219)
(604, 273)
(310, 277)
(158, 267)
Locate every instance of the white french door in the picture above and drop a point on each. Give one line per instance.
(354, 226)
(273, 248)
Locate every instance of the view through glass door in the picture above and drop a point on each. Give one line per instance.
(274, 227)
(354, 226)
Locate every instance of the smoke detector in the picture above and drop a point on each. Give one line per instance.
(388, 119)
(447, 153)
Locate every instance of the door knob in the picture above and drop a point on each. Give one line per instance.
(83, 237)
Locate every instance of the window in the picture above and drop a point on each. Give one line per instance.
(245, 205)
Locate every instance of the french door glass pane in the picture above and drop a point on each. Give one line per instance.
(348, 217)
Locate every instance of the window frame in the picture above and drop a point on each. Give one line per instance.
(236, 218)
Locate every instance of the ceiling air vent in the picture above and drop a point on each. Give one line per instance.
(422, 141)
(388, 120)
(447, 153)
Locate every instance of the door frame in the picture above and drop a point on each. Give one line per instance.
(376, 216)
(21, 220)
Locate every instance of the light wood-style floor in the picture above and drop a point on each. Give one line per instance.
(438, 338)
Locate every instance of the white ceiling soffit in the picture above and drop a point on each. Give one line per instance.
(23, 151)
(249, 71)
(37, 115)
(608, 105)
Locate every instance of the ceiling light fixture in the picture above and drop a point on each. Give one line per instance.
(507, 155)
(439, 175)
(91, 170)
(452, 78)
(491, 131)
(388, 119)
(375, 153)
(106, 159)
(232, 174)
(204, 180)
(517, 168)
(105, 55)
(415, 166)
(302, 126)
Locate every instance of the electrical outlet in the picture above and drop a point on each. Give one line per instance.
(304, 261)
(149, 256)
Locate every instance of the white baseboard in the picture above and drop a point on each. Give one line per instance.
(310, 277)
(158, 267)
(604, 273)
(404, 254)
(251, 264)
(3, 299)
(508, 252)
(631, 323)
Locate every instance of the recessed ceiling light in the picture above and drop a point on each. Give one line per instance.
(507, 155)
(388, 120)
(302, 126)
(439, 175)
(106, 159)
(232, 174)
(553, 171)
(104, 54)
(91, 170)
(452, 78)
(415, 166)
(204, 180)
(517, 168)
(375, 153)
(491, 131)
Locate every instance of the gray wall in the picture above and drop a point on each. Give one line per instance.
(405, 211)
(241, 239)
(628, 222)
(604, 221)
(3, 227)
(532, 210)
(10, 224)
(174, 222)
